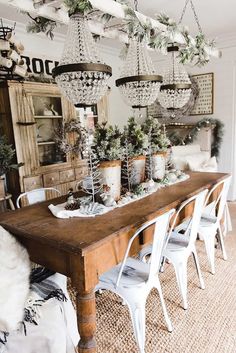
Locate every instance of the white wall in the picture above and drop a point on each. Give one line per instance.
(224, 91)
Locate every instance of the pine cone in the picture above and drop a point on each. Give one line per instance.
(72, 206)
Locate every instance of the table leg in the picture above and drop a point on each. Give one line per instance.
(12, 207)
(86, 314)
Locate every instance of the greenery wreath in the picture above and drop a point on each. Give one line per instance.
(77, 144)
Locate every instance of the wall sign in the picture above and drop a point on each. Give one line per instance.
(204, 101)
(38, 66)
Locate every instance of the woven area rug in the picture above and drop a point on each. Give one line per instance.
(208, 326)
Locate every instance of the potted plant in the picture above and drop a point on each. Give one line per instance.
(136, 141)
(107, 146)
(7, 154)
(159, 144)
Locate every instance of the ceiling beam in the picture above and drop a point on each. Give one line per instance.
(106, 6)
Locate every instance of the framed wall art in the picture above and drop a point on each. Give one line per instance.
(205, 101)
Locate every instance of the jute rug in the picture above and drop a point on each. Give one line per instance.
(208, 326)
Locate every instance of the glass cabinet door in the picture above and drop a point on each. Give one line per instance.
(49, 119)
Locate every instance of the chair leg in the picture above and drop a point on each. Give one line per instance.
(228, 222)
(209, 240)
(163, 261)
(195, 257)
(222, 245)
(163, 304)
(137, 313)
(181, 276)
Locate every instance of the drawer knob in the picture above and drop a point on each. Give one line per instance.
(52, 178)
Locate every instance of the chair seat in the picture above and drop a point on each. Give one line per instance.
(135, 274)
(207, 220)
(177, 241)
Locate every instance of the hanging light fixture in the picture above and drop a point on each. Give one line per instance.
(81, 75)
(175, 90)
(139, 84)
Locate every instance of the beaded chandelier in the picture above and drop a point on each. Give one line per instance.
(176, 88)
(139, 84)
(81, 75)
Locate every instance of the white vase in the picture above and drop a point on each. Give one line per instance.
(138, 169)
(111, 176)
(159, 165)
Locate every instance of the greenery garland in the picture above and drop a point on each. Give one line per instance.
(41, 24)
(218, 132)
(192, 52)
(78, 6)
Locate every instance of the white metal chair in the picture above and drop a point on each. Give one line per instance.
(133, 279)
(37, 195)
(210, 224)
(181, 244)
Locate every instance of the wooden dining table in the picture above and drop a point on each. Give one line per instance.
(84, 248)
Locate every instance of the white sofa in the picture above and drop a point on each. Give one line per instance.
(190, 157)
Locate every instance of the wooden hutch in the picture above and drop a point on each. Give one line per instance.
(30, 113)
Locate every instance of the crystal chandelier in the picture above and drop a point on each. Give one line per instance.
(139, 85)
(81, 75)
(176, 88)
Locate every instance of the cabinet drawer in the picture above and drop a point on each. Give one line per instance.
(67, 175)
(51, 179)
(81, 172)
(31, 183)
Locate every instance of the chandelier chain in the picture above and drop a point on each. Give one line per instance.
(136, 5)
(194, 13)
(183, 11)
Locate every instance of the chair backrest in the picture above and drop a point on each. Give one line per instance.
(161, 224)
(194, 220)
(37, 195)
(217, 207)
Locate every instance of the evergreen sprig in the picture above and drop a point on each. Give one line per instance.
(136, 137)
(78, 6)
(41, 24)
(107, 142)
(7, 154)
(157, 137)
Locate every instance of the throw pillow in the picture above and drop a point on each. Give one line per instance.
(206, 166)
